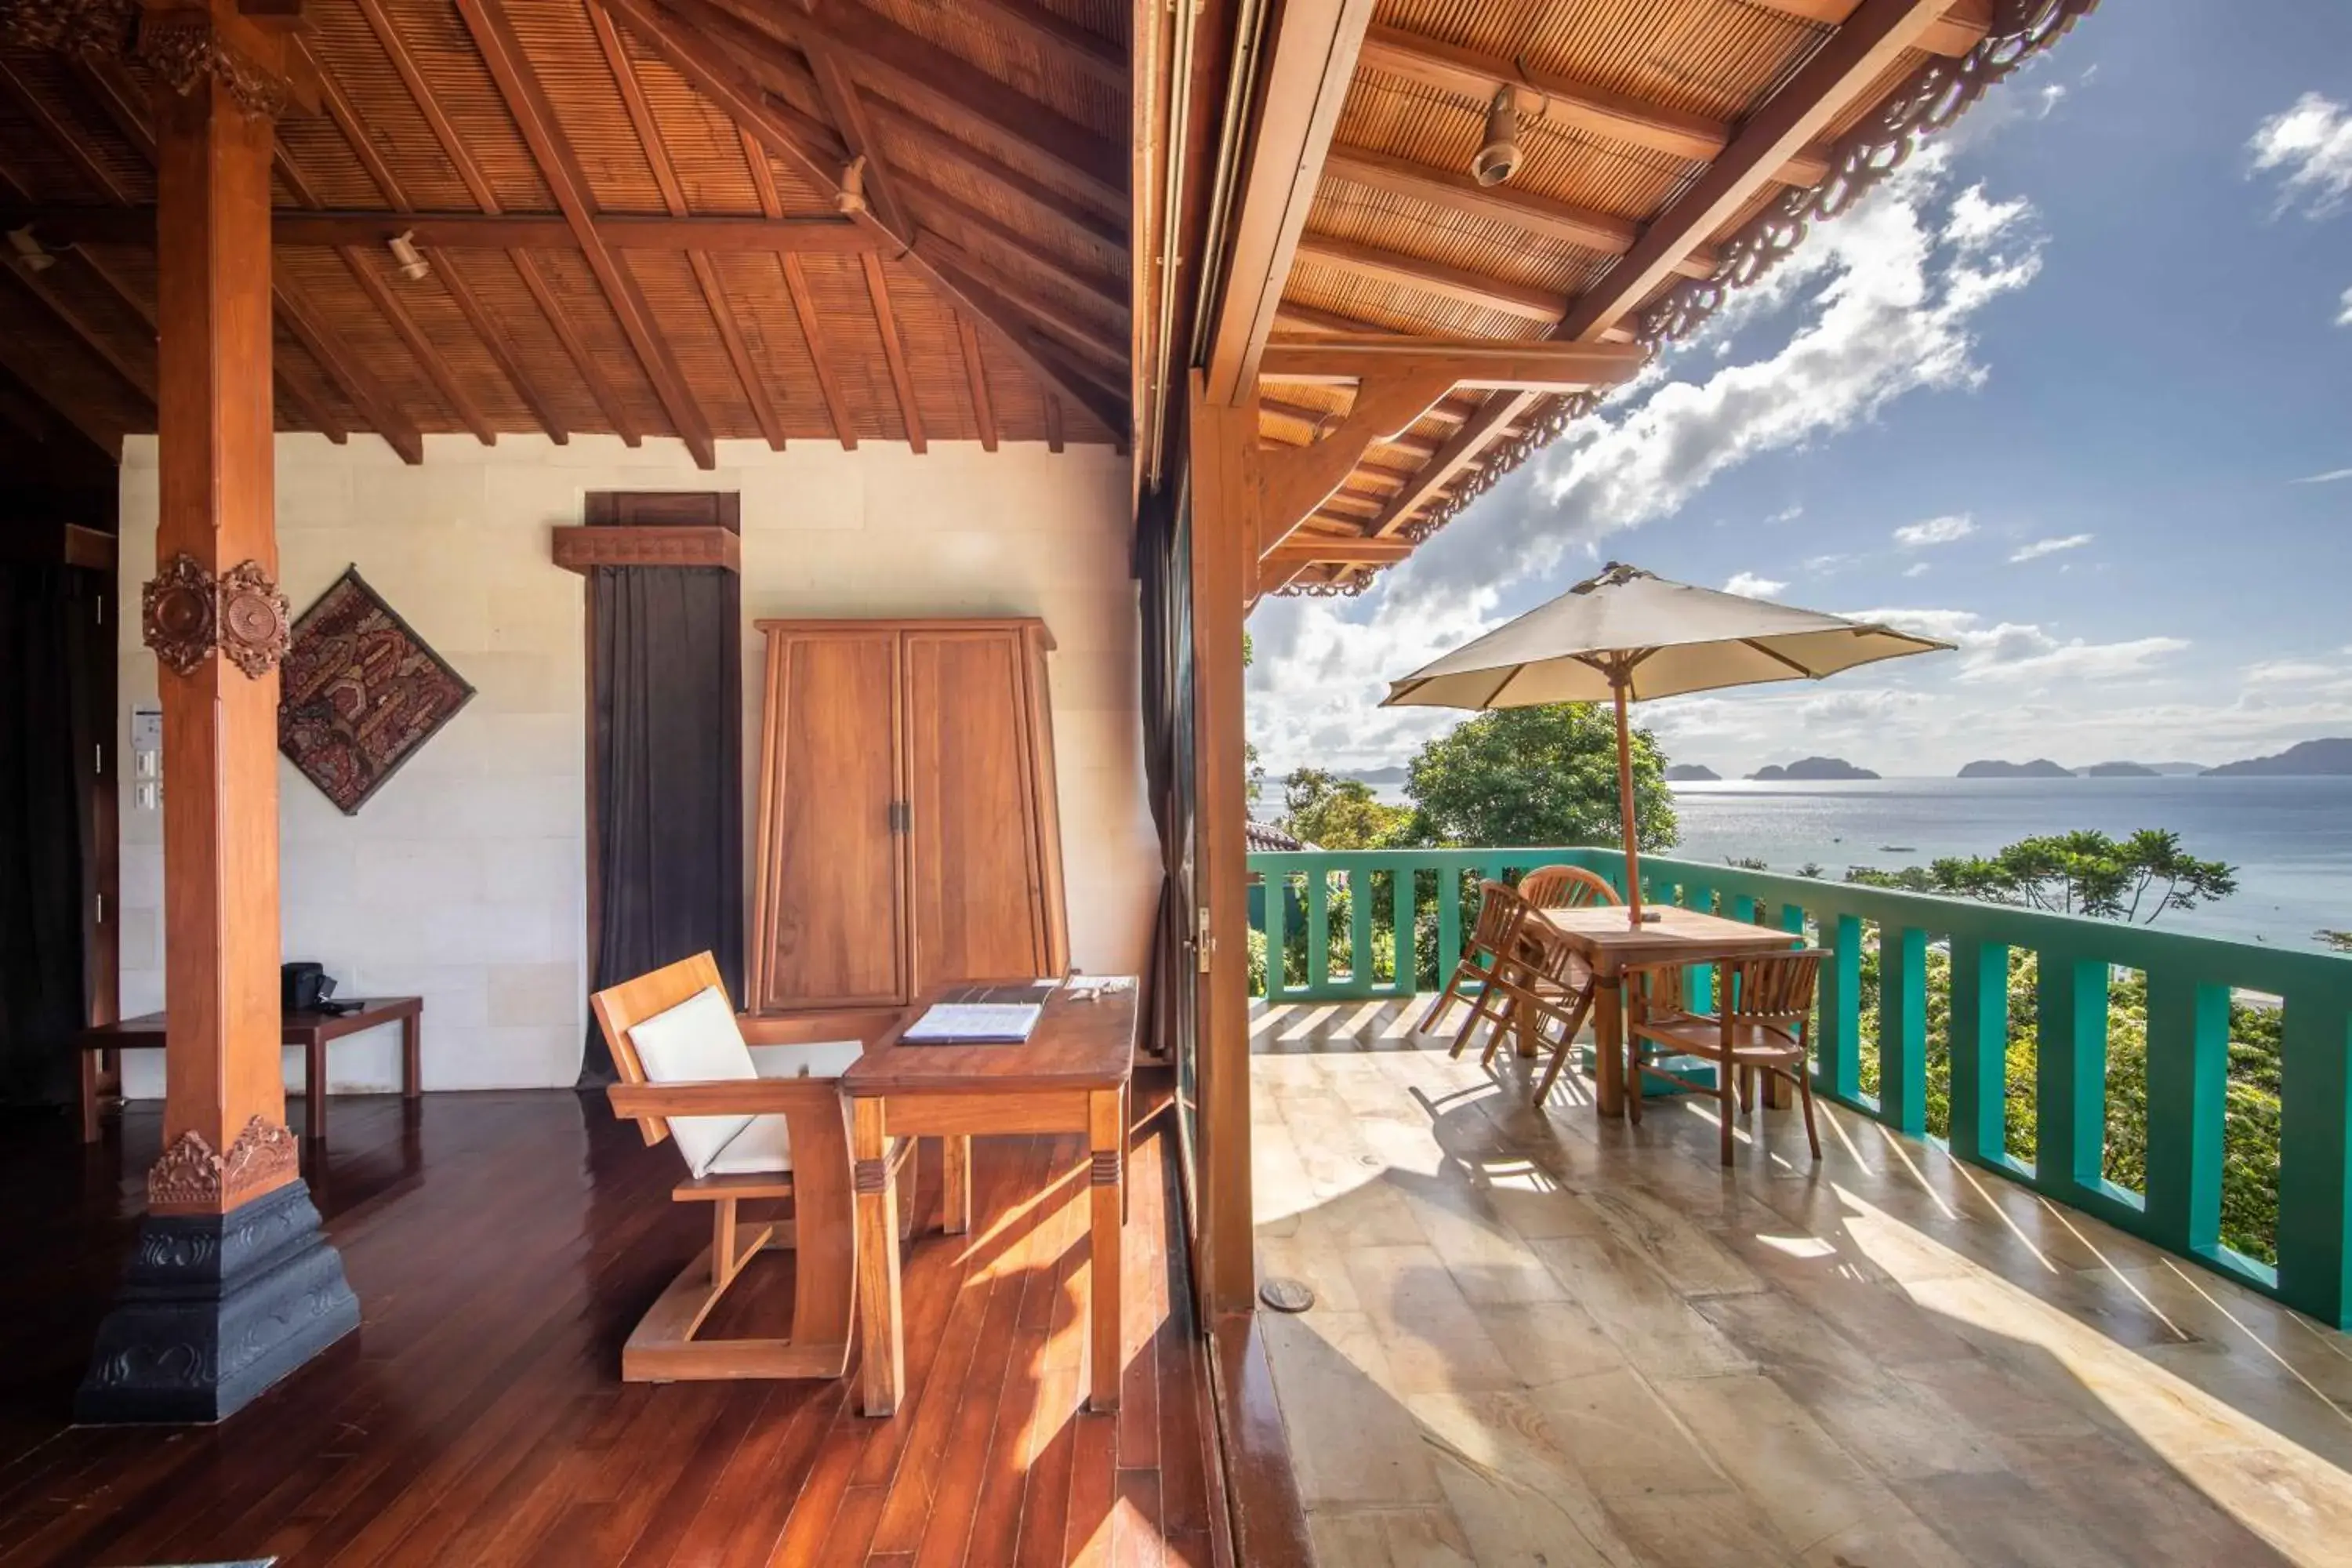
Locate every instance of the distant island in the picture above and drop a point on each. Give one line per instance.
(1392, 774)
(1692, 772)
(2120, 771)
(1811, 770)
(2039, 768)
(2330, 758)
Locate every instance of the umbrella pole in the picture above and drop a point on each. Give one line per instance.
(1625, 803)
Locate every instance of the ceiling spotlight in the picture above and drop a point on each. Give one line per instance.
(411, 262)
(1500, 158)
(29, 252)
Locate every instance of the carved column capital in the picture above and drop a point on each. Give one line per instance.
(103, 27)
(185, 48)
(191, 1176)
(185, 613)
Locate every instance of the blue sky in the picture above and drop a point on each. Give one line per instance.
(2074, 389)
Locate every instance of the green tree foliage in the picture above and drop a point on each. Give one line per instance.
(1333, 813)
(2137, 878)
(2341, 941)
(1537, 775)
(1252, 771)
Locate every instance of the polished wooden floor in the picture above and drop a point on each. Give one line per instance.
(1543, 1340)
(502, 1244)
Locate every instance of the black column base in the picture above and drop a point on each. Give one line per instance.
(213, 1310)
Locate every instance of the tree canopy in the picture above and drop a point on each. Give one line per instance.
(2137, 878)
(1332, 813)
(1536, 775)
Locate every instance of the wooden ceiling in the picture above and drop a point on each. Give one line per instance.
(1668, 143)
(904, 220)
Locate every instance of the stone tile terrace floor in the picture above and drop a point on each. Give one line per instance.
(1541, 1339)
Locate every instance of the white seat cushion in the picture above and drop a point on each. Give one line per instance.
(696, 1042)
(764, 1144)
(817, 1058)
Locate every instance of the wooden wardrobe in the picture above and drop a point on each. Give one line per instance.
(908, 831)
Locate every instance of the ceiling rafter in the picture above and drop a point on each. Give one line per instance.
(1075, 217)
(953, 90)
(477, 186)
(1110, 294)
(137, 378)
(366, 395)
(331, 227)
(1954, 32)
(1055, 437)
(1873, 35)
(502, 350)
(1294, 482)
(1540, 365)
(68, 404)
(705, 272)
(1075, 327)
(1079, 48)
(721, 76)
(1526, 300)
(1612, 116)
(1310, 66)
(813, 334)
(526, 100)
(983, 406)
(1521, 209)
(885, 320)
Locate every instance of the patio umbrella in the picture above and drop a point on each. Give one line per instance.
(1627, 635)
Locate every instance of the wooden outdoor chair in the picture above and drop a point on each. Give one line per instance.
(1763, 1018)
(755, 1124)
(1566, 888)
(1494, 938)
(1549, 988)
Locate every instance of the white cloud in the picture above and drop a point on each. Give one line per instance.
(1935, 531)
(2309, 147)
(1752, 585)
(2344, 309)
(2329, 477)
(2041, 547)
(2013, 650)
(1917, 568)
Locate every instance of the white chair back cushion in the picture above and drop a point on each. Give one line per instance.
(766, 1143)
(696, 1042)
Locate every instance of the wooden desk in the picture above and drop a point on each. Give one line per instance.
(1603, 937)
(1071, 1075)
(102, 1048)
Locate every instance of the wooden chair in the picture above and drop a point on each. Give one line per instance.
(1764, 1008)
(1494, 938)
(1566, 888)
(813, 1175)
(1548, 987)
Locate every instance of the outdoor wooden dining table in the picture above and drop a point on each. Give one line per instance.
(1610, 945)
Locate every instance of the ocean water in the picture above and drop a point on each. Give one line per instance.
(2290, 839)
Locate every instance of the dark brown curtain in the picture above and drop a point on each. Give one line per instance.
(1164, 566)
(667, 785)
(48, 726)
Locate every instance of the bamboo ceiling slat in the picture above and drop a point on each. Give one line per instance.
(437, 37)
(853, 343)
(1020, 405)
(1706, 57)
(772, 335)
(33, 153)
(1484, 246)
(560, 46)
(1367, 298)
(684, 317)
(798, 192)
(427, 302)
(934, 357)
(705, 149)
(1410, 120)
(576, 288)
(1085, 252)
(326, 284)
(348, 47)
(491, 274)
(46, 356)
(1015, 61)
(1105, 18)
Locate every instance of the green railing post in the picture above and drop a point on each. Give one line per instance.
(1903, 1028)
(1319, 930)
(1408, 949)
(2315, 1265)
(1701, 979)
(2071, 1072)
(2188, 1091)
(1360, 926)
(1449, 921)
(1837, 1068)
(1278, 946)
(1979, 1051)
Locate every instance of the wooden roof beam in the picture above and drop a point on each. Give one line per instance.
(1310, 63)
(1612, 116)
(1109, 294)
(983, 406)
(363, 391)
(1075, 327)
(477, 186)
(1293, 483)
(139, 378)
(706, 272)
(894, 350)
(1954, 33)
(1524, 210)
(1083, 50)
(1074, 216)
(518, 83)
(1539, 367)
(1855, 55)
(18, 359)
(328, 227)
(1521, 300)
(813, 335)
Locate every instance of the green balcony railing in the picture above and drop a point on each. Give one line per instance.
(1948, 973)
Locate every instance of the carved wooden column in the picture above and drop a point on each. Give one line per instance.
(232, 1285)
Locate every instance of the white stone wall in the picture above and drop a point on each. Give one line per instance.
(463, 879)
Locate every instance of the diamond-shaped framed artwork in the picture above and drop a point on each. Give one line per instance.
(360, 693)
